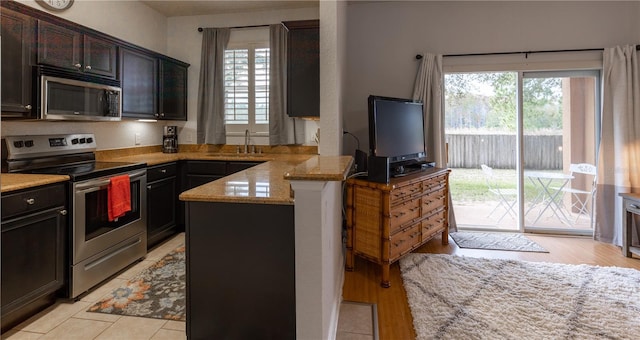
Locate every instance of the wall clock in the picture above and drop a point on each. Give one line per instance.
(55, 5)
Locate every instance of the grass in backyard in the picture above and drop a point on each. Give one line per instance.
(469, 185)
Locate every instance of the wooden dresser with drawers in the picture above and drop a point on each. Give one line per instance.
(387, 221)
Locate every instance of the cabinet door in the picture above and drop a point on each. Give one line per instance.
(161, 208)
(303, 68)
(16, 56)
(59, 46)
(138, 74)
(32, 259)
(99, 57)
(173, 90)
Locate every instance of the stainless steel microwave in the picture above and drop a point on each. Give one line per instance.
(73, 99)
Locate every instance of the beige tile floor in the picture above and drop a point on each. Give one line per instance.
(69, 320)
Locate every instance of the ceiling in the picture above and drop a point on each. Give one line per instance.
(171, 8)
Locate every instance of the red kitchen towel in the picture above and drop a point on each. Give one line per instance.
(118, 196)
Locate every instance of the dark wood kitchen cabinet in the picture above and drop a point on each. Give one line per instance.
(17, 55)
(34, 234)
(173, 90)
(303, 68)
(139, 81)
(162, 199)
(74, 50)
(153, 87)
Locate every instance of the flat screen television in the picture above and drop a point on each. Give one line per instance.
(396, 131)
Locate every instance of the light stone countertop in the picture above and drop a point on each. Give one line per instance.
(13, 182)
(266, 183)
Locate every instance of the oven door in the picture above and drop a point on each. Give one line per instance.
(92, 232)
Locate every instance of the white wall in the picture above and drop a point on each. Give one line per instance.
(184, 42)
(384, 37)
(131, 21)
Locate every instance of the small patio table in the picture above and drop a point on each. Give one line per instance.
(547, 197)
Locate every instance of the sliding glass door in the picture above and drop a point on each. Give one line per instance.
(481, 125)
(513, 140)
(559, 150)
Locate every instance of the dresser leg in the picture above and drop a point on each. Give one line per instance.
(350, 259)
(445, 237)
(385, 276)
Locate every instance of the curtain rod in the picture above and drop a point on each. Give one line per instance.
(200, 29)
(419, 56)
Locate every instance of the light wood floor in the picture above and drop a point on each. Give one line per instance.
(394, 317)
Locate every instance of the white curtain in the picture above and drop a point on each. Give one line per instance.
(619, 151)
(281, 126)
(428, 88)
(211, 129)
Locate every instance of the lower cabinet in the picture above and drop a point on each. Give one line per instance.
(162, 199)
(34, 234)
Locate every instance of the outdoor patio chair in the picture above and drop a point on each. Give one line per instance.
(507, 197)
(581, 195)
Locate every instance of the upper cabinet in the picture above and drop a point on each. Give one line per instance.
(74, 50)
(152, 87)
(173, 90)
(303, 68)
(17, 56)
(139, 81)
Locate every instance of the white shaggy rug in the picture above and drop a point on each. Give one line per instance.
(453, 297)
(496, 241)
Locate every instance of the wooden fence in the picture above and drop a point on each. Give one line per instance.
(541, 152)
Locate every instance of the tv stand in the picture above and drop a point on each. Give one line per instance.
(387, 221)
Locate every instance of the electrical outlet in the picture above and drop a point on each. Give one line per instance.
(138, 138)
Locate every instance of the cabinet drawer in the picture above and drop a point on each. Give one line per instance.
(207, 168)
(433, 201)
(33, 200)
(403, 213)
(433, 224)
(435, 184)
(403, 193)
(155, 173)
(404, 241)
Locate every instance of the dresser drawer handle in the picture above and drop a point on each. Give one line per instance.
(399, 243)
(30, 201)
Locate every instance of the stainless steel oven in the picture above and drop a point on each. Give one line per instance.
(98, 247)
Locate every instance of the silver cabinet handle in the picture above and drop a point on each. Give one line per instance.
(63, 212)
(634, 206)
(30, 201)
(88, 67)
(164, 171)
(28, 107)
(77, 65)
(162, 114)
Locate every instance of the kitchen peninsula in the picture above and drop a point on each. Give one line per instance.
(241, 234)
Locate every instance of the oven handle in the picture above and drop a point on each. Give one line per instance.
(100, 182)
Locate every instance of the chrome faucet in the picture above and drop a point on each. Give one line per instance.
(246, 141)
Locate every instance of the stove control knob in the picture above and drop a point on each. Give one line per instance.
(18, 144)
(74, 141)
(89, 140)
(83, 140)
(28, 143)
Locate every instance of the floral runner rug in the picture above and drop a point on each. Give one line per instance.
(156, 292)
(496, 241)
